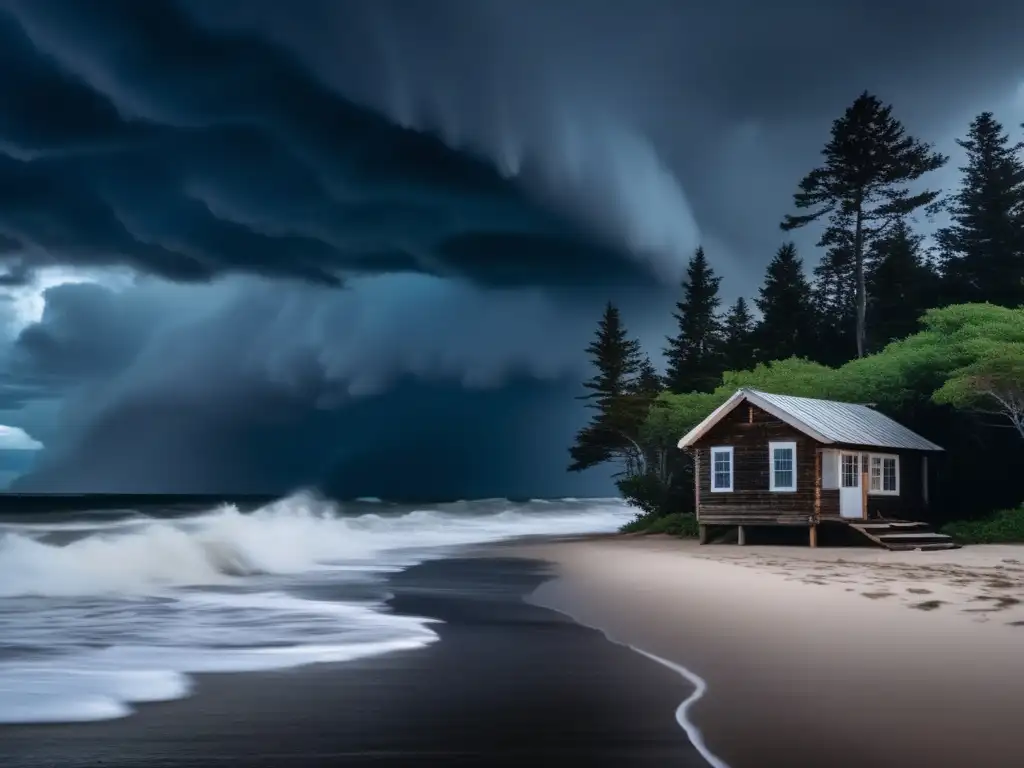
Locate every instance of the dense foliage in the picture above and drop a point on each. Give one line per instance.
(937, 343)
(1004, 527)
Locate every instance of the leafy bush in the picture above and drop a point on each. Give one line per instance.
(651, 496)
(678, 524)
(1004, 527)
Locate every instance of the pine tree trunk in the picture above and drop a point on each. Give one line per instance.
(862, 298)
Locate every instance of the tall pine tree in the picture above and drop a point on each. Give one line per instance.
(647, 385)
(902, 284)
(618, 363)
(738, 351)
(694, 353)
(787, 324)
(984, 246)
(862, 187)
(834, 299)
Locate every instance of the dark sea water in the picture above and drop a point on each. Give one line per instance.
(104, 608)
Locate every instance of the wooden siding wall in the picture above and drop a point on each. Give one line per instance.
(748, 430)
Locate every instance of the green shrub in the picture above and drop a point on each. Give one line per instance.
(639, 524)
(678, 524)
(1004, 527)
(653, 498)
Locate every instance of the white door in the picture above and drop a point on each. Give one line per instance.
(851, 501)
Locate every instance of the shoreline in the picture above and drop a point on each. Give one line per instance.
(700, 686)
(508, 684)
(801, 668)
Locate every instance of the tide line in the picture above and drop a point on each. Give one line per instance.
(700, 687)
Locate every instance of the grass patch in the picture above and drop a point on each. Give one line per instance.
(679, 524)
(1004, 527)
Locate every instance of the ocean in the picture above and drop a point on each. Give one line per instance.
(101, 610)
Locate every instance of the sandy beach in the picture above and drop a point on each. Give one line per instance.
(818, 657)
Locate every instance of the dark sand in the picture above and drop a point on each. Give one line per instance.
(508, 684)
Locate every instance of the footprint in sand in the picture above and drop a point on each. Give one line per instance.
(999, 603)
(1000, 584)
(919, 591)
(928, 605)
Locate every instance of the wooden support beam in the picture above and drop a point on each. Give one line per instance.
(702, 534)
(864, 481)
(696, 482)
(741, 535)
(817, 485)
(814, 535)
(924, 480)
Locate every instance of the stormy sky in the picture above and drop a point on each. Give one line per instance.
(248, 245)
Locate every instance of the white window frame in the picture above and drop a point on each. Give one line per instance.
(732, 468)
(881, 473)
(772, 447)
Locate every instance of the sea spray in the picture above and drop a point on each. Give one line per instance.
(97, 616)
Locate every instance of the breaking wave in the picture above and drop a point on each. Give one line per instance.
(98, 615)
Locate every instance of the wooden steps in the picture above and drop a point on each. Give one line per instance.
(903, 535)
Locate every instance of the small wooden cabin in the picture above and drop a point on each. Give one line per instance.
(763, 460)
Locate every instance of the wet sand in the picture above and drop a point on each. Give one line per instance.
(508, 684)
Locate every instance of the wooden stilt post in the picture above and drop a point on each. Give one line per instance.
(814, 535)
(742, 536)
(864, 481)
(702, 533)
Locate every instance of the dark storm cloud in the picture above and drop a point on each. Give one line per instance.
(187, 153)
(415, 441)
(536, 158)
(265, 389)
(194, 138)
(86, 331)
(172, 387)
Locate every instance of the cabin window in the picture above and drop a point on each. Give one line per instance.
(884, 474)
(721, 468)
(782, 458)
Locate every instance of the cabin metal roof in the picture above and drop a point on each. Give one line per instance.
(826, 421)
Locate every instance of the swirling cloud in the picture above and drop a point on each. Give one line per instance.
(366, 241)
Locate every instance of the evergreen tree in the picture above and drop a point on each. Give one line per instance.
(618, 363)
(902, 285)
(738, 351)
(648, 383)
(694, 353)
(984, 246)
(862, 187)
(833, 299)
(787, 315)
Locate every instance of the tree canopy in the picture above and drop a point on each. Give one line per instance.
(864, 186)
(984, 244)
(929, 327)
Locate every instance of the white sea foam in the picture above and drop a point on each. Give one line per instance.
(295, 535)
(682, 713)
(97, 616)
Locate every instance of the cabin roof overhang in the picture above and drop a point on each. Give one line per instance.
(774, 405)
